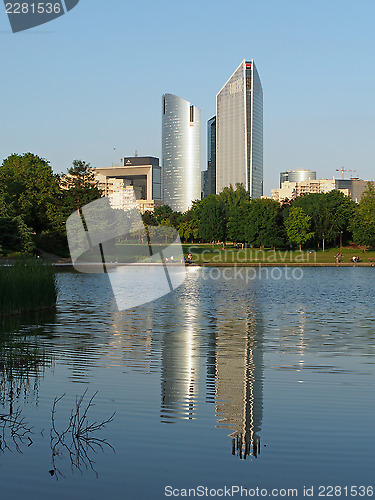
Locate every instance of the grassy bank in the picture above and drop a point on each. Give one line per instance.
(207, 254)
(27, 285)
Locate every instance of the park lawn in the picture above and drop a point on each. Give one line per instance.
(207, 254)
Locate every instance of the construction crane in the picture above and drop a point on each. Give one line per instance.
(343, 170)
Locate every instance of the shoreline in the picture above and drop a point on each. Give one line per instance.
(62, 264)
(21, 312)
(226, 264)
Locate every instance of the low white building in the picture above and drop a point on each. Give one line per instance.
(133, 176)
(291, 190)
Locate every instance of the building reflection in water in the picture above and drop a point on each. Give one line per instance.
(133, 335)
(209, 336)
(180, 368)
(239, 378)
(225, 334)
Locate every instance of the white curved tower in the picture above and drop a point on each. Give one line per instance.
(181, 152)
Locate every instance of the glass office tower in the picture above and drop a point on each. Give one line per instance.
(239, 131)
(211, 156)
(181, 153)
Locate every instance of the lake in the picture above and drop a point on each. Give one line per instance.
(232, 380)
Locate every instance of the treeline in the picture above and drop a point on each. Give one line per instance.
(314, 220)
(35, 203)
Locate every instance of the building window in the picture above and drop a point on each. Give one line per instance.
(163, 105)
(191, 114)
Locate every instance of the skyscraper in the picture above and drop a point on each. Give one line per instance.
(211, 156)
(239, 131)
(181, 152)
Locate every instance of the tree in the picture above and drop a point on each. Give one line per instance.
(78, 188)
(188, 230)
(298, 227)
(165, 212)
(162, 212)
(236, 203)
(363, 222)
(149, 218)
(5, 210)
(213, 219)
(80, 185)
(234, 197)
(237, 221)
(28, 186)
(15, 236)
(330, 214)
(264, 223)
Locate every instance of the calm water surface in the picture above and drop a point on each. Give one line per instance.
(226, 381)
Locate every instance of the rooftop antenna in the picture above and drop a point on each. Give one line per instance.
(136, 153)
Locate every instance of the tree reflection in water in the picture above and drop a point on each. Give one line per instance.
(78, 440)
(14, 430)
(22, 363)
(23, 359)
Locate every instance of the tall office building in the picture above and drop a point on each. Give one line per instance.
(209, 175)
(211, 156)
(239, 131)
(181, 153)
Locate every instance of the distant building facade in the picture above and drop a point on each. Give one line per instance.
(209, 175)
(211, 156)
(356, 187)
(299, 175)
(353, 188)
(239, 131)
(204, 183)
(138, 175)
(181, 152)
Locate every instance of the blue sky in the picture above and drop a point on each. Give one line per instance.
(91, 81)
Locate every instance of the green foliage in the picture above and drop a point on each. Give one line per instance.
(213, 219)
(162, 212)
(27, 285)
(188, 230)
(234, 197)
(298, 227)
(165, 213)
(5, 210)
(15, 236)
(52, 242)
(330, 214)
(28, 186)
(26, 237)
(149, 218)
(78, 188)
(237, 223)
(80, 184)
(264, 223)
(363, 222)
(162, 234)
